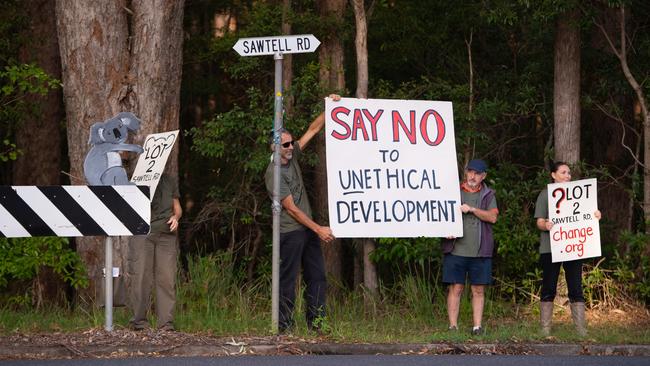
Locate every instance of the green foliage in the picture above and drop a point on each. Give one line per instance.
(12, 21)
(17, 82)
(21, 260)
(509, 13)
(212, 295)
(632, 264)
(600, 288)
(515, 232)
(26, 78)
(419, 251)
(8, 151)
(239, 137)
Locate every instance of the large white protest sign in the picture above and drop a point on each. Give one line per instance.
(391, 168)
(575, 233)
(152, 161)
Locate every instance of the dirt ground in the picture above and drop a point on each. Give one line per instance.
(97, 342)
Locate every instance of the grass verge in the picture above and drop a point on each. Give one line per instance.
(212, 300)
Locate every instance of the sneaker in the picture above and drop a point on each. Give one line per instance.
(139, 326)
(477, 331)
(452, 328)
(167, 328)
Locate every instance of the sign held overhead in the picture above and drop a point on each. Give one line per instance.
(260, 46)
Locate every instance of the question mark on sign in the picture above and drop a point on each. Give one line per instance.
(562, 196)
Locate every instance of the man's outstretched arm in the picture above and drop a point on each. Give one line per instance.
(315, 126)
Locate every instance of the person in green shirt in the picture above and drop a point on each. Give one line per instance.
(153, 259)
(470, 256)
(560, 173)
(300, 235)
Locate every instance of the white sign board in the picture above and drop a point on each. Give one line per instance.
(260, 46)
(391, 168)
(575, 233)
(152, 161)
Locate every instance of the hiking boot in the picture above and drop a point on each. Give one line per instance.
(578, 315)
(545, 316)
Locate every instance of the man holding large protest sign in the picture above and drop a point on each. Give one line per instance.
(471, 254)
(299, 235)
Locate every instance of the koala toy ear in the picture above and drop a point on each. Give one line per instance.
(96, 131)
(129, 120)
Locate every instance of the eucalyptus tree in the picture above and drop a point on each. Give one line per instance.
(332, 78)
(566, 87)
(368, 246)
(117, 56)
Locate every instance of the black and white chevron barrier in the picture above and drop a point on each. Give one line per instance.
(72, 211)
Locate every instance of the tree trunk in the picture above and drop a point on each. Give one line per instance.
(361, 47)
(566, 88)
(114, 59)
(41, 127)
(332, 79)
(287, 62)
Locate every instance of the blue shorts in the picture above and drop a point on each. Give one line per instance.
(455, 269)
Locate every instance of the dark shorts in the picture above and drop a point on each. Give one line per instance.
(455, 269)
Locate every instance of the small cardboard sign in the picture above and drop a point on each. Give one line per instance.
(152, 161)
(575, 233)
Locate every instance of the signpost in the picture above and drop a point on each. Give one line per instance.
(276, 46)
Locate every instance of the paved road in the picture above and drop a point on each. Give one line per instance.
(441, 360)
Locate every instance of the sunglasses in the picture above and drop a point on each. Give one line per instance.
(287, 144)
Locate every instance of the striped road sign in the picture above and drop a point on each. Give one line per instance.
(74, 211)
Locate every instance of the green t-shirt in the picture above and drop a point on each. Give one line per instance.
(541, 212)
(162, 203)
(468, 245)
(290, 184)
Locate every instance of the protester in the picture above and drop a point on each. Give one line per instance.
(471, 255)
(560, 173)
(299, 234)
(152, 259)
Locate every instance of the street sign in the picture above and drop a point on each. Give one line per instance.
(259, 46)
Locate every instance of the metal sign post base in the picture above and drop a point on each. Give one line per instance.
(108, 284)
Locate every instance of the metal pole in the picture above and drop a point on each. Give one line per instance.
(277, 126)
(108, 283)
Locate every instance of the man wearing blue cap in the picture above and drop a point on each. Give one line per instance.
(471, 254)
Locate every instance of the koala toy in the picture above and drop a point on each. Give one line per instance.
(103, 163)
